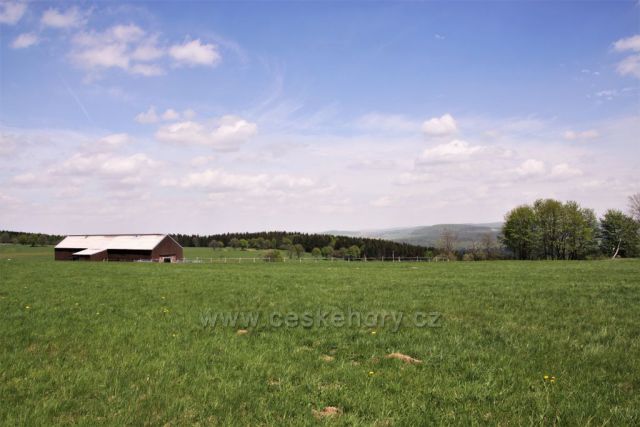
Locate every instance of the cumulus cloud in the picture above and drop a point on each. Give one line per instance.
(126, 47)
(571, 135)
(440, 126)
(132, 49)
(530, 168)
(11, 12)
(55, 18)
(148, 116)
(170, 114)
(631, 64)
(194, 52)
(227, 133)
(453, 151)
(147, 70)
(24, 41)
(123, 169)
(630, 43)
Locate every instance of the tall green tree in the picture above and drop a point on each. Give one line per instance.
(619, 234)
(518, 232)
(548, 215)
(578, 232)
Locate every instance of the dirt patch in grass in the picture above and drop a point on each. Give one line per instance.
(403, 357)
(242, 332)
(328, 411)
(328, 358)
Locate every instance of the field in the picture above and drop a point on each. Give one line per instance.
(133, 343)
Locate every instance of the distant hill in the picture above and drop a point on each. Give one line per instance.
(428, 235)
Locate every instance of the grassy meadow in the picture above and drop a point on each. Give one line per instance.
(125, 343)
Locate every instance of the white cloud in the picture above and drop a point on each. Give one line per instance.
(226, 134)
(563, 170)
(115, 140)
(147, 50)
(630, 43)
(170, 114)
(439, 126)
(629, 66)
(571, 135)
(127, 47)
(25, 40)
(148, 116)
(386, 122)
(192, 53)
(55, 18)
(123, 169)
(453, 151)
(11, 12)
(531, 167)
(147, 70)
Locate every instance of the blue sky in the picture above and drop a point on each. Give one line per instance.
(312, 115)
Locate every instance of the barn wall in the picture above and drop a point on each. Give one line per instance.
(167, 247)
(65, 254)
(127, 255)
(100, 256)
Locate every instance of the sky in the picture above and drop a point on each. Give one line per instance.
(207, 117)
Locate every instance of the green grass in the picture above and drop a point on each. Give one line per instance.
(123, 343)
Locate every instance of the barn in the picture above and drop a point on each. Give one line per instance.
(119, 247)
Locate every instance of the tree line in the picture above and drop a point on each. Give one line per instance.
(297, 243)
(551, 229)
(32, 239)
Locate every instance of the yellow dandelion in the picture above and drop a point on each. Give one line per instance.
(28, 307)
(546, 377)
(373, 332)
(371, 373)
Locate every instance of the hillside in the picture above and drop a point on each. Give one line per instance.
(428, 235)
